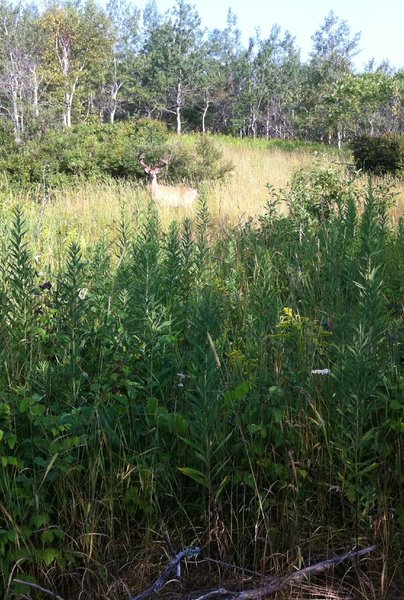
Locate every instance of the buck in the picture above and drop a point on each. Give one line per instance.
(167, 195)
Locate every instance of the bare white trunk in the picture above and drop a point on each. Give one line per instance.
(114, 100)
(16, 112)
(339, 136)
(67, 117)
(267, 125)
(254, 123)
(69, 96)
(35, 92)
(178, 108)
(205, 112)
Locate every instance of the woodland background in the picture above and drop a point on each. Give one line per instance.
(64, 63)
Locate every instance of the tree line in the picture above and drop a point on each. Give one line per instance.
(75, 62)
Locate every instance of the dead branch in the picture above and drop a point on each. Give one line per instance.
(35, 586)
(174, 564)
(274, 586)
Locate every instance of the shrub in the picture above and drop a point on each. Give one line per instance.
(7, 140)
(320, 193)
(97, 151)
(202, 162)
(379, 155)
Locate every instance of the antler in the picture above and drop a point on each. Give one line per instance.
(163, 162)
(141, 160)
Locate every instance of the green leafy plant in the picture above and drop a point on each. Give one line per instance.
(379, 155)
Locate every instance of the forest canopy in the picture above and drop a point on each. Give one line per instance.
(66, 63)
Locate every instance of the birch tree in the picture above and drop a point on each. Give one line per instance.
(78, 44)
(19, 65)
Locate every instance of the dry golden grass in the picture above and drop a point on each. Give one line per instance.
(88, 212)
(245, 193)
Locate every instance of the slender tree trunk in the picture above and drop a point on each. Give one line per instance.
(339, 137)
(70, 88)
(69, 96)
(205, 111)
(254, 123)
(16, 112)
(35, 92)
(267, 116)
(114, 100)
(178, 108)
(15, 87)
(67, 117)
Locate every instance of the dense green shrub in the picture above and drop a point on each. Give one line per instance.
(319, 193)
(97, 151)
(89, 151)
(7, 138)
(379, 155)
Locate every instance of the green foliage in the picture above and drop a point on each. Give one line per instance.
(249, 380)
(320, 193)
(379, 155)
(102, 151)
(83, 62)
(7, 140)
(202, 162)
(86, 151)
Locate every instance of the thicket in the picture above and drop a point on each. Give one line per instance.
(379, 155)
(98, 151)
(241, 391)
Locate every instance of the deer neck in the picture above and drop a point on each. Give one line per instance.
(153, 183)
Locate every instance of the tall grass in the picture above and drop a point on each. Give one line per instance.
(161, 382)
(90, 210)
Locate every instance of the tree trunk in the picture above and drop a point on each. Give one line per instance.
(339, 136)
(267, 116)
(178, 108)
(205, 111)
(114, 100)
(67, 117)
(16, 112)
(35, 90)
(69, 95)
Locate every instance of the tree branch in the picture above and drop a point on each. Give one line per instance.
(274, 586)
(175, 563)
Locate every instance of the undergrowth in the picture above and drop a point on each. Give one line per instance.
(242, 392)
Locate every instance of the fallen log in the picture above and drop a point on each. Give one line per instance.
(275, 586)
(173, 565)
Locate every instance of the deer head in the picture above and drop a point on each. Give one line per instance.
(166, 195)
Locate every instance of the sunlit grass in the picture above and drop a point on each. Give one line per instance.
(92, 210)
(245, 191)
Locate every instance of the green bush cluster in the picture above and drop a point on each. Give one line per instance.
(379, 155)
(319, 193)
(97, 151)
(251, 380)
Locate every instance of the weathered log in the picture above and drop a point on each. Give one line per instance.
(274, 586)
(174, 564)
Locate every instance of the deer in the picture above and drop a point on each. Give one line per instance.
(167, 195)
